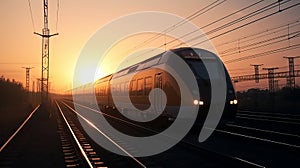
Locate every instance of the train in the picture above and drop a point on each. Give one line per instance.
(136, 83)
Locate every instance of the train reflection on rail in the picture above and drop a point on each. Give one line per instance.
(133, 88)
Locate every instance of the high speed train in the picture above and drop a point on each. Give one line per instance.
(138, 80)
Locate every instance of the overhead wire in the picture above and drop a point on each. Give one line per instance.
(212, 23)
(245, 17)
(262, 33)
(246, 24)
(291, 47)
(263, 43)
(271, 33)
(57, 14)
(252, 14)
(31, 15)
(176, 25)
(218, 20)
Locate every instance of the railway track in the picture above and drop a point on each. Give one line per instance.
(34, 143)
(280, 118)
(278, 123)
(8, 156)
(276, 137)
(9, 140)
(77, 151)
(268, 139)
(194, 154)
(268, 148)
(88, 152)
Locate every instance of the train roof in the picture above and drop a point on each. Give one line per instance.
(139, 66)
(184, 52)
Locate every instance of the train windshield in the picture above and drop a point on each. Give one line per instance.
(201, 71)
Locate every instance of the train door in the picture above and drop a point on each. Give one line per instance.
(158, 96)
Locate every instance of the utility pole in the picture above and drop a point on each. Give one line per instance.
(45, 54)
(256, 71)
(33, 87)
(276, 85)
(290, 80)
(27, 77)
(38, 85)
(271, 79)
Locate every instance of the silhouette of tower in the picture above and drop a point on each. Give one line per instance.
(271, 78)
(256, 71)
(290, 80)
(27, 77)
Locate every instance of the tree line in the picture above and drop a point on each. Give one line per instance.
(11, 92)
(284, 100)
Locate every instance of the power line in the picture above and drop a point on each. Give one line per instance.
(246, 24)
(189, 18)
(57, 14)
(247, 16)
(239, 69)
(260, 44)
(218, 20)
(264, 41)
(262, 33)
(16, 63)
(206, 26)
(263, 54)
(31, 15)
(193, 16)
(238, 20)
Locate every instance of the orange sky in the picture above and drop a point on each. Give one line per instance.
(80, 19)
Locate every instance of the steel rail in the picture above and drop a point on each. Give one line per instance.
(75, 138)
(185, 142)
(21, 126)
(106, 136)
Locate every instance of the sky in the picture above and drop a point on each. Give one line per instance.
(77, 21)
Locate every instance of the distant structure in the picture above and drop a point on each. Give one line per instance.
(271, 75)
(33, 87)
(290, 80)
(271, 78)
(38, 85)
(276, 85)
(256, 71)
(45, 54)
(27, 77)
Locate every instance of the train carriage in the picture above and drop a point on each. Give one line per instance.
(137, 81)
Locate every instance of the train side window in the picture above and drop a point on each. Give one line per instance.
(140, 86)
(148, 84)
(133, 87)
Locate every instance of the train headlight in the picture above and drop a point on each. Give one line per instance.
(198, 102)
(233, 101)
